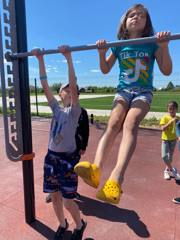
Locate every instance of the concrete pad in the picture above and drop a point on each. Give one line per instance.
(146, 210)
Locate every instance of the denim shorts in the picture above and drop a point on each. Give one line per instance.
(167, 150)
(134, 94)
(59, 173)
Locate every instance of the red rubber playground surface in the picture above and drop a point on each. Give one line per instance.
(146, 210)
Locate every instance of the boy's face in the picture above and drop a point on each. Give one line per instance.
(65, 96)
(172, 110)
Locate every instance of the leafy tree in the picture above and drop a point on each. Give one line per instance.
(55, 87)
(170, 86)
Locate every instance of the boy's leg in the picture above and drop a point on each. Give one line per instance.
(90, 173)
(173, 171)
(176, 200)
(168, 148)
(73, 209)
(165, 152)
(48, 198)
(69, 184)
(51, 185)
(58, 207)
(68, 180)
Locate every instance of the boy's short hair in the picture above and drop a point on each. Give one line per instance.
(65, 85)
(174, 104)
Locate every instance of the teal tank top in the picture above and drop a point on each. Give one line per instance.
(136, 64)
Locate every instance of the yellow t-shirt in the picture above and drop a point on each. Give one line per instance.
(170, 132)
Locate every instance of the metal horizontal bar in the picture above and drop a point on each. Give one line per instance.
(94, 46)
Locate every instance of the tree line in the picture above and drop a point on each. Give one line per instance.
(94, 89)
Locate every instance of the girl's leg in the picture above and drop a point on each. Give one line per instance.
(58, 207)
(90, 173)
(133, 118)
(114, 126)
(73, 208)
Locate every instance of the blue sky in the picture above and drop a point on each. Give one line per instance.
(51, 23)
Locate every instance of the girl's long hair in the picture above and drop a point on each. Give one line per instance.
(148, 29)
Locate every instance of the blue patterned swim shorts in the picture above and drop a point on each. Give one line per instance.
(59, 173)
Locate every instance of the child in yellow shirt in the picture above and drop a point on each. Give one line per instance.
(177, 199)
(168, 127)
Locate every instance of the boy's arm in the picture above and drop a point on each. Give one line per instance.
(71, 75)
(165, 126)
(43, 75)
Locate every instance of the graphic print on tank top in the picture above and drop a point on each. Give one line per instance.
(136, 69)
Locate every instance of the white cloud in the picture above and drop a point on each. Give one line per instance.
(95, 70)
(33, 69)
(77, 61)
(34, 47)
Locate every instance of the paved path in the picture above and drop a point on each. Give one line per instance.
(96, 112)
(146, 210)
(42, 98)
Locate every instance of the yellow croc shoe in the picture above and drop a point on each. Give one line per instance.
(90, 173)
(110, 192)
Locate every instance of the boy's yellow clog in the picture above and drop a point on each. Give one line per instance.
(90, 173)
(110, 192)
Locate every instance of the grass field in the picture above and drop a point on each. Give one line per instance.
(159, 103)
(161, 99)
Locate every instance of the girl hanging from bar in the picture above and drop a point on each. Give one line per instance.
(132, 101)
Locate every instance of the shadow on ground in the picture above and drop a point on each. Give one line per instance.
(177, 182)
(47, 232)
(91, 207)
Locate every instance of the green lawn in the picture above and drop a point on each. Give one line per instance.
(159, 103)
(161, 99)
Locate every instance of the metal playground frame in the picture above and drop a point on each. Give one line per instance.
(15, 90)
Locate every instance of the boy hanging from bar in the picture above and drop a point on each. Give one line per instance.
(59, 177)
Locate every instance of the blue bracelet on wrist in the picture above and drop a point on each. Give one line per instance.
(43, 77)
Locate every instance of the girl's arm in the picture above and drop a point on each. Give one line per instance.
(162, 54)
(105, 63)
(71, 75)
(43, 75)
